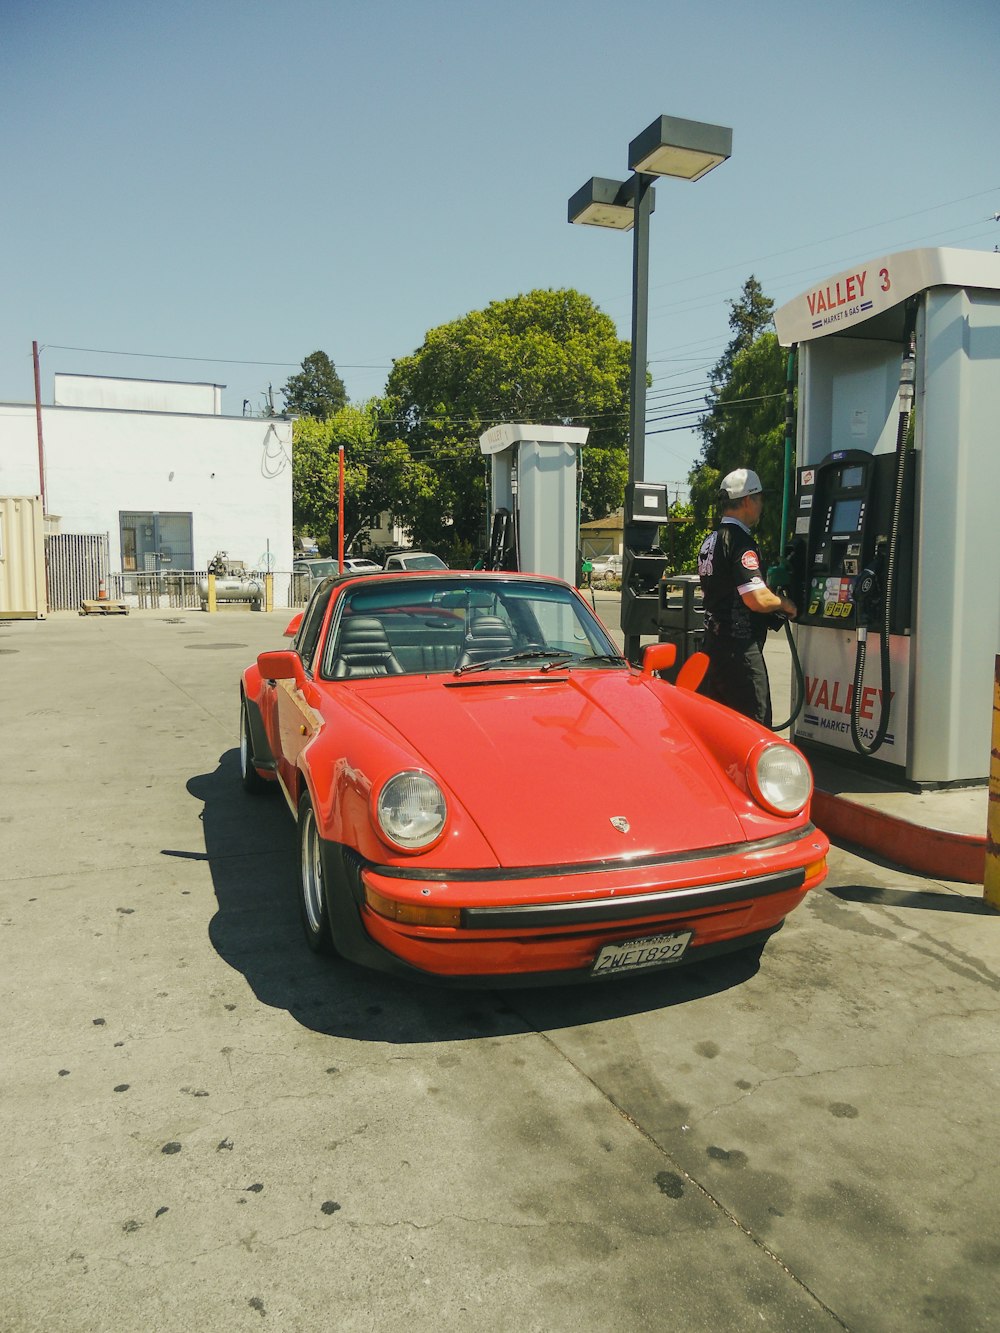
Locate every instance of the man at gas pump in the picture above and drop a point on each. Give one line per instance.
(739, 606)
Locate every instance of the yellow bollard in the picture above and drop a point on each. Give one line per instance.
(268, 592)
(212, 605)
(991, 879)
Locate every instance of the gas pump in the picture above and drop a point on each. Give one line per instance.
(534, 497)
(502, 550)
(643, 562)
(891, 512)
(850, 582)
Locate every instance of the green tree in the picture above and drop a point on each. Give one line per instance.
(547, 357)
(744, 424)
(374, 473)
(605, 472)
(750, 315)
(317, 390)
(681, 538)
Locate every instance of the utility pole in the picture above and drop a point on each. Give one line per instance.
(38, 424)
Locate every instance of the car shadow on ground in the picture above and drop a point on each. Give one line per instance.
(251, 849)
(925, 899)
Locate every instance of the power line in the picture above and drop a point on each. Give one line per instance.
(706, 301)
(207, 360)
(673, 306)
(825, 240)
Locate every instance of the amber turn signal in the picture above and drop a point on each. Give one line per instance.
(816, 868)
(412, 914)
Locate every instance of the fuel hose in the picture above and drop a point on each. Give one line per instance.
(800, 684)
(781, 573)
(906, 391)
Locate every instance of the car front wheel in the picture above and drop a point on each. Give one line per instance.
(312, 888)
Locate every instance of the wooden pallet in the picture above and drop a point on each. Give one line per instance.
(103, 607)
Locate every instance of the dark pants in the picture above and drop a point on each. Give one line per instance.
(737, 677)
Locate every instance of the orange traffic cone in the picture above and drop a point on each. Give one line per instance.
(102, 591)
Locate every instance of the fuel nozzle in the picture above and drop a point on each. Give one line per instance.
(787, 576)
(868, 594)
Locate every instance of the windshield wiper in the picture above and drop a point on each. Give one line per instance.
(575, 660)
(510, 657)
(612, 658)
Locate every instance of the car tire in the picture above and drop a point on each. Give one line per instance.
(313, 904)
(250, 779)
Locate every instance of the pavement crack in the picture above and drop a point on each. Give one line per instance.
(685, 1175)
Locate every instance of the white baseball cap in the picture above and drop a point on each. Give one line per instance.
(740, 483)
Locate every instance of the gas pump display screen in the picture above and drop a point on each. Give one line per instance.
(852, 476)
(846, 515)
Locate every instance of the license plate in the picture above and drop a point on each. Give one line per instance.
(631, 955)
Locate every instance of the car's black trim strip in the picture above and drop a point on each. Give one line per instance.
(341, 868)
(259, 744)
(674, 901)
(497, 873)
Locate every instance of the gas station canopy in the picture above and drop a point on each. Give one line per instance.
(861, 294)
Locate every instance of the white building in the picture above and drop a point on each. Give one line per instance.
(155, 466)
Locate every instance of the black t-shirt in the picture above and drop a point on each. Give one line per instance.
(729, 565)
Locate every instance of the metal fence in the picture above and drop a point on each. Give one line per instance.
(78, 570)
(188, 589)
(76, 565)
(146, 591)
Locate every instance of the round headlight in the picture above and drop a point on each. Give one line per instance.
(411, 810)
(780, 779)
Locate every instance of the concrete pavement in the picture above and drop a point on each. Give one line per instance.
(206, 1127)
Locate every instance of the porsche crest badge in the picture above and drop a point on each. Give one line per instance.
(620, 823)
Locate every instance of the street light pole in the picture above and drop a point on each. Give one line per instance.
(642, 207)
(687, 149)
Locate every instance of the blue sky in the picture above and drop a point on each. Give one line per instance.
(225, 183)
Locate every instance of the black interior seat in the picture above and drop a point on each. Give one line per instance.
(364, 650)
(488, 637)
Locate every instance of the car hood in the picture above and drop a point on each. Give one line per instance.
(544, 765)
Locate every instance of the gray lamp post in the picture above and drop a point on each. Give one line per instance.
(689, 150)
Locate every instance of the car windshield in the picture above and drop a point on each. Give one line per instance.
(424, 562)
(414, 626)
(321, 569)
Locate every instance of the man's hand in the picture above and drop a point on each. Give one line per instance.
(769, 603)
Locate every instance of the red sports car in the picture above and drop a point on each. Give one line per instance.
(439, 738)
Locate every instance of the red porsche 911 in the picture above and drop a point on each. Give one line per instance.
(439, 738)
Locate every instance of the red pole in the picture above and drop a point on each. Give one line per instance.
(340, 512)
(38, 422)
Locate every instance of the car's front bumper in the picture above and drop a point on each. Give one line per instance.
(540, 925)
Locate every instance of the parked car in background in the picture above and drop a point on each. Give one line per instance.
(605, 567)
(404, 560)
(322, 569)
(436, 736)
(359, 565)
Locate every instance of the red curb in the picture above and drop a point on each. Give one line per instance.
(958, 856)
